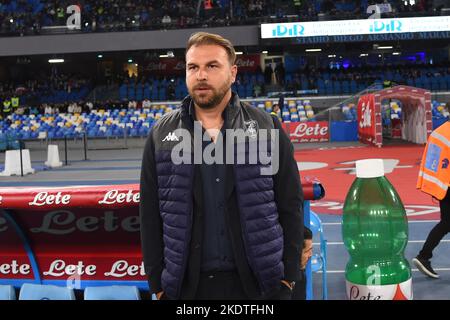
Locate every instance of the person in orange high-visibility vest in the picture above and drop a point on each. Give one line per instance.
(434, 179)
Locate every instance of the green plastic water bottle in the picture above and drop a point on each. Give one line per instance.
(375, 233)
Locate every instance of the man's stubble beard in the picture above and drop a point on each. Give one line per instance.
(214, 100)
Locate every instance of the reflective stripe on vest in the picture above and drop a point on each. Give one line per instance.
(6, 106)
(434, 180)
(441, 138)
(15, 102)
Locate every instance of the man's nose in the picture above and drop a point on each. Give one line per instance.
(202, 75)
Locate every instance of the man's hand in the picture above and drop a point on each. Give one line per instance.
(159, 295)
(288, 284)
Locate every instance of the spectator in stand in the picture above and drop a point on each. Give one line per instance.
(70, 108)
(146, 104)
(132, 104)
(48, 109)
(28, 17)
(166, 21)
(34, 110)
(20, 110)
(257, 90)
(268, 74)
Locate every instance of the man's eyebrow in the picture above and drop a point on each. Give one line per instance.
(207, 63)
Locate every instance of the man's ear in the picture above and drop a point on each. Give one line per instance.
(233, 72)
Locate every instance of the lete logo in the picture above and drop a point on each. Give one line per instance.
(114, 196)
(303, 129)
(366, 116)
(43, 198)
(245, 63)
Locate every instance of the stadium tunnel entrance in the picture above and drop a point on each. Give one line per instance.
(379, 116)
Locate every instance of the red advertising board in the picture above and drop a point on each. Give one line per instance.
(248, 63)
(166, 66)
(74, 235)
(317, 131)
(366, 119)
(176, 66)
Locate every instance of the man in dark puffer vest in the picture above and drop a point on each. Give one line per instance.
(219, 230)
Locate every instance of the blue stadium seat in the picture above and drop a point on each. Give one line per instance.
(288, 77)
(329, 88)
(304, 84)
(345, 87)
(337, 87)
(139, 92)
(131, 93)
(162, 94)
(123, 92)
(241, 91)
(154, 94)
(249, 90)
(147, 91)
(7, 293)
(427, 83)
(410, 82)
(434, 84)
(353, 86)
(442, 85)
(31, 291)
(112, 293)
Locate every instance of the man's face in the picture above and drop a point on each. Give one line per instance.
(209, 75)
(306, 253)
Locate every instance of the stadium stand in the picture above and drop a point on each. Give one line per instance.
(31, 17)
(117, 122)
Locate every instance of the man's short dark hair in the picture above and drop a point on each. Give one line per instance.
(205, 38)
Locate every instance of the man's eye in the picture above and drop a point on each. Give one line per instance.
(212, 66)
(192, 67)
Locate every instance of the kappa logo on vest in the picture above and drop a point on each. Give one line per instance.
(445, 163)
(170, 137)
(251, 128)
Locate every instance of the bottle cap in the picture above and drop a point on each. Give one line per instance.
(369, 168)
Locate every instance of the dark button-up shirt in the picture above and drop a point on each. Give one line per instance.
(217, 252)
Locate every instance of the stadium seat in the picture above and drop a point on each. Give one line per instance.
(31, 291)
(7, 293)
(337, 88)
(112, 293)
(345, 87)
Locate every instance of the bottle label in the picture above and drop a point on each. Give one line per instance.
(399, 291)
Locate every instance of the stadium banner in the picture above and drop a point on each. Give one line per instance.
(314, 131)
(78, 236)
(176, 66)
(366, 119)
(166, 66)
(355, 27)
(248, 63)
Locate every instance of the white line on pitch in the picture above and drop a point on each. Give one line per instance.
(415, 221)
(340, 242)
(413, 270)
